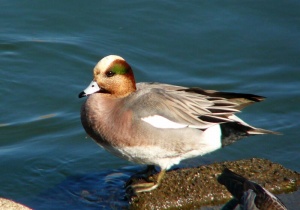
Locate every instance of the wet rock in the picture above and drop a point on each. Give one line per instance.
(193, 188)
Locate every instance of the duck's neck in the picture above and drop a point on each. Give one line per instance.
(126, 89)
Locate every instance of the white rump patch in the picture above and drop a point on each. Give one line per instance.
(162, 122)
(211, 138)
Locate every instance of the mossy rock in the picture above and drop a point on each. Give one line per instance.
(193, 188)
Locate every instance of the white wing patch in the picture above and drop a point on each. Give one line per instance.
(162, 122)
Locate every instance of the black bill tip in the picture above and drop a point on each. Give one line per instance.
(82, 94)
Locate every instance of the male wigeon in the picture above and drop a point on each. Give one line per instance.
(250, 195)
(159, 124)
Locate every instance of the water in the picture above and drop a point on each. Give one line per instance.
(48, 50)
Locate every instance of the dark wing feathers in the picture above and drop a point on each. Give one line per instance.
(240, 99)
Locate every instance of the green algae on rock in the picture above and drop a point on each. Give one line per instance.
(193, 188)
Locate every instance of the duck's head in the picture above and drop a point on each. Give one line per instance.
(113, 76)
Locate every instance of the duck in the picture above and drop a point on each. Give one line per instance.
(249, 195)
(158, 124)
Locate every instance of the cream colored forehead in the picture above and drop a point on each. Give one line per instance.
(105, 62)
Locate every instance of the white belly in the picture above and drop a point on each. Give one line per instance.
(208, 141)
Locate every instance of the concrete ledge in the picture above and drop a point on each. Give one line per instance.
(197, 187)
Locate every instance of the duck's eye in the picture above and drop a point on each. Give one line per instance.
(110, 73)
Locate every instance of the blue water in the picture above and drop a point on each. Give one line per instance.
(47, 53)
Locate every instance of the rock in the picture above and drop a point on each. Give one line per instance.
(11, 205)
(193, 188)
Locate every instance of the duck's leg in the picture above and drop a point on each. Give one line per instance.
(144, 174)
(148, 171)
(148, 186)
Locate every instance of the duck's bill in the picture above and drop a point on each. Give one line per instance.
(92, 88)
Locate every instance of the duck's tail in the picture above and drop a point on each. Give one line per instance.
(255, 131)
(233, 131)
